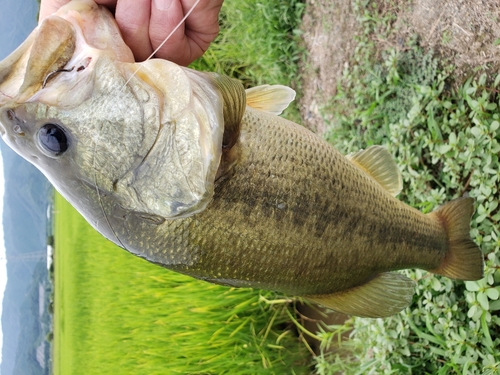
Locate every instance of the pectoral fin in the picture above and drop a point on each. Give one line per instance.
(379, 164)
(270, 98)
(385, 295)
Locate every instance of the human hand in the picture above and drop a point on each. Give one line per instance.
(145, 24)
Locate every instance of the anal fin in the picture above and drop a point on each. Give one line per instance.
(386, 294)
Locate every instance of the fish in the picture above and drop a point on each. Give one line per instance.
(192, 172)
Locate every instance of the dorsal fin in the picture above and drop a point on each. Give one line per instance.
(377, 162)
(270, 98)
(234, 97)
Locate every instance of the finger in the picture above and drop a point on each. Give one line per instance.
(165, 16)
(50, 6)
(202, 26)
(205, 17)
(190, 40)
(132, 17)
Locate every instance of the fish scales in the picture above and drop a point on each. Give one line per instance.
(192, 172)
(272, 234)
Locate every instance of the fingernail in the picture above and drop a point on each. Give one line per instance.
(163, 4)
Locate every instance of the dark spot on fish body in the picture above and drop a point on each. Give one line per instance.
(266, 207)
(320, 226)
(301, 210)
(250, 203)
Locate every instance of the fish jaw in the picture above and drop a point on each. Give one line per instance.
(54, 74)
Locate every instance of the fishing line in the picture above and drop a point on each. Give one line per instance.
(166, 39)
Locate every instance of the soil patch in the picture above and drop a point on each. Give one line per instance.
(465, 33)
(328, 30)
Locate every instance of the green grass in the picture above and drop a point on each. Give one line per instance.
(118, 314)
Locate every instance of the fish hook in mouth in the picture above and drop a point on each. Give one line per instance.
(81, 67)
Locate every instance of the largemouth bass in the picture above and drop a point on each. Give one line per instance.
(191, 172)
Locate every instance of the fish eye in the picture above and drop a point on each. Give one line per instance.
(53, 139)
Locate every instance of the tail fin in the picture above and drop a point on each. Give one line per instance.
(464, 259)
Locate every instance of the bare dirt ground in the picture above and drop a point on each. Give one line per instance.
(466, 33)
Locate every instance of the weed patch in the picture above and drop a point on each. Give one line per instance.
(447, 144)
